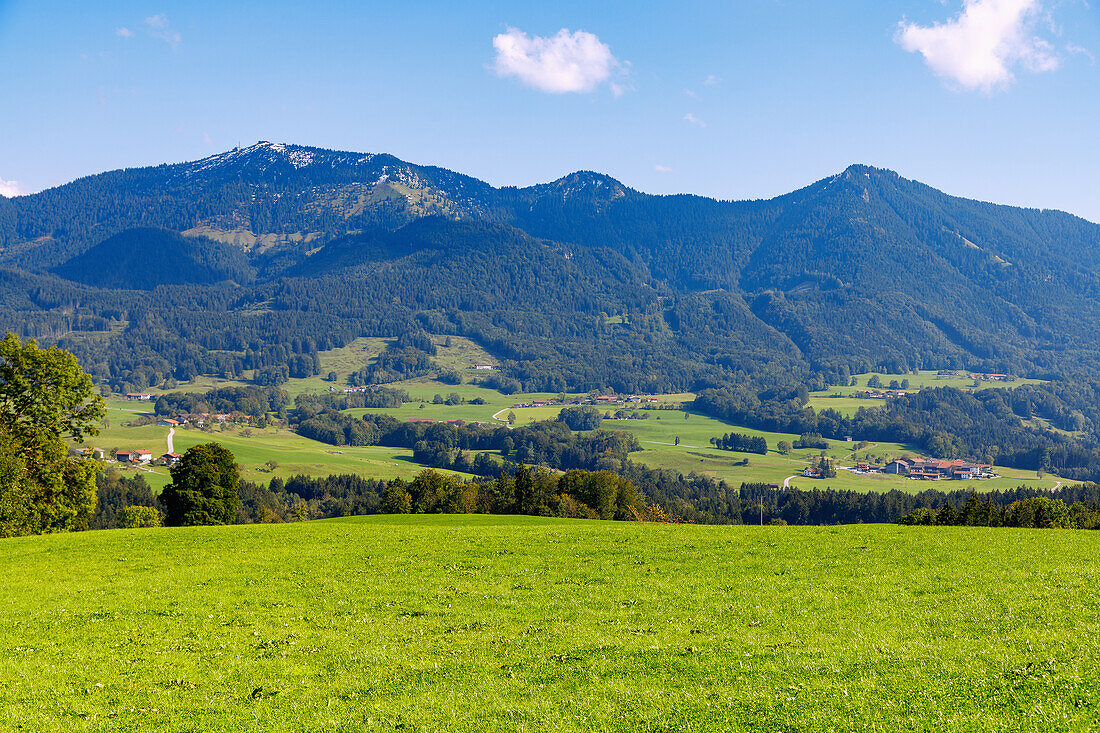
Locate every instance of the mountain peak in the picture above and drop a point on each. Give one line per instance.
(265, 154)
(586, 183)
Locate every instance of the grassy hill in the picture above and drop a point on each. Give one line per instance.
(517, 623)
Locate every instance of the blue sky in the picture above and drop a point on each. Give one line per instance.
(992, 99)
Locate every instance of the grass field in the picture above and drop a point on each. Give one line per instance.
(475, 623)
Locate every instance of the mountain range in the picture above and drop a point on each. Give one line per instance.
(260, 255)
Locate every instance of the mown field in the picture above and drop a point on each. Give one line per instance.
(476, 623)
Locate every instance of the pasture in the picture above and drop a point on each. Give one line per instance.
(478, 623)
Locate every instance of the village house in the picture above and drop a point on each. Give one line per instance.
(142, 456)
(897, 466)
(486, 367)
(123, 456)
(139, 396)
(168, 422)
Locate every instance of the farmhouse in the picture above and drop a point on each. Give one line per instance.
(139, 396)
(123, 456)
(897, 466)
(170, 459)
(486, 367)
(142, 456)
(931, 469)
(168, 422)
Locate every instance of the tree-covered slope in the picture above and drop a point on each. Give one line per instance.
(582, 282)
(146, 257)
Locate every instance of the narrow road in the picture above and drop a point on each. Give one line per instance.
(171, 432)
(787, 481)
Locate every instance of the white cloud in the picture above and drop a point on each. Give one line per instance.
(692, 119)
(662, 169)
(711, 81)
(1074, 50)
(10, 188)
(206, 139)
(159, 27)
(570, 61)
(124, 32)
(980, 47)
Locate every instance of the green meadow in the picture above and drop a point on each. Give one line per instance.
(479, 623)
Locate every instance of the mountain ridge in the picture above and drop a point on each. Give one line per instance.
(858, 270)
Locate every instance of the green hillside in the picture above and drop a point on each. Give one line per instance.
(515, 623)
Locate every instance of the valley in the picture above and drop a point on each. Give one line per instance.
(671, 437)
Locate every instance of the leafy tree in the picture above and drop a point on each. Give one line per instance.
(580, 418)
(45, 398)
(396, 499)
(132, 517)
(784, 447)
(204, 487)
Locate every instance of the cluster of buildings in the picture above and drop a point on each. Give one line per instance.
(634, 399)
(127, 457)
(145, 458)
(930, 469)
(200, 419)
(877, 394)
(979, 377)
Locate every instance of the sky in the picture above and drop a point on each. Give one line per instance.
(997, 100)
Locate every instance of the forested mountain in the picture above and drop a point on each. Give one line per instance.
(260, 256)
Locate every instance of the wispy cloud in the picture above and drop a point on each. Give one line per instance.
(980, 48)
(1074, 50)
(692, 119)
(570, 61)
(124, 32)
(662, 169)
(206, 139)
(711, 81)
(158, 27)
(10, 188)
